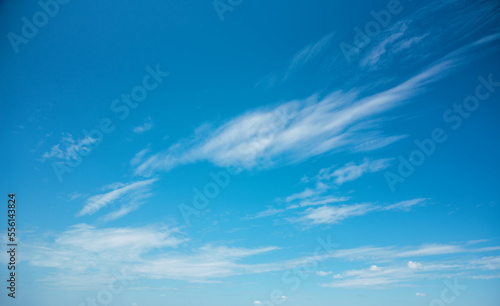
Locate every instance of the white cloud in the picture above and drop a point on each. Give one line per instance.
(138, 157)
(352, 171)
(330, 214)
(132, 194)
(75, 195)
(68, 147)
(322, 201)
(86, 256)
(433, 249)
(412, 41)
(323, 273)
(307, 193)
(267, 213)
(383, 254)
(405, 205)
(296, 130)
(257, 303)
(307, 54)
(372, 277)
(421, 294)
(398, 273)
(334, 214)
(304, 202)
(304, 57)
(84, 249)
(146, 126)
(487, 263)
(327, 213)
(375, 141)
(300, 129)
(374, 268)
(92, 239)
(85, 253)
(414, 265)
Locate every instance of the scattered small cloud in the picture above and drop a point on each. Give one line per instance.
(323, 273)
(352, 171)
(414, 265)
(374, 268)
(146, 126)
(68, 147)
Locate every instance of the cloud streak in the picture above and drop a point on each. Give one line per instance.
(300, 129)
(130, 193)
(329, 214)
(352, 171)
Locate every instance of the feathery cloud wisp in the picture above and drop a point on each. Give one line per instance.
(300, 129)
(128, 192)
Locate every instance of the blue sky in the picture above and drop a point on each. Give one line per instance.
(252, 152)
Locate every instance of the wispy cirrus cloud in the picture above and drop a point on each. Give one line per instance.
(130, 195)
(407, 272)
(352, 171)
(304, 57)
(85, 255)
(68, 147)
(316, 205)
(327, 210)
(307, 54)
(404, 205)
(300, 129)
(333, 214)
(412, 40)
